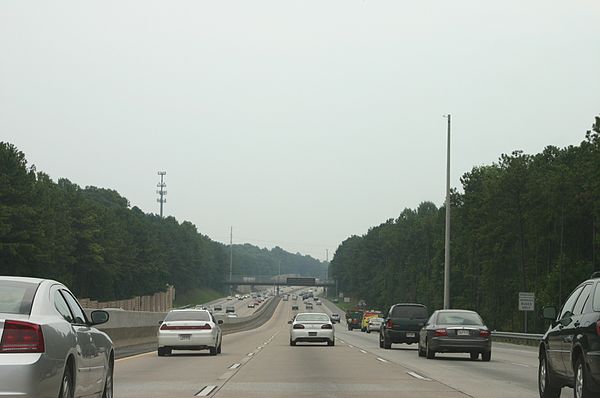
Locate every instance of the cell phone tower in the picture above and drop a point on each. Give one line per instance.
(161, 191)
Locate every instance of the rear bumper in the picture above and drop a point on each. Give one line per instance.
(196, 342)
(315, 335)
(449, 344)
(29, 375)
(402, 336)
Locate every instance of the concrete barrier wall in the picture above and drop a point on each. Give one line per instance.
(130, 328)
(159, 302)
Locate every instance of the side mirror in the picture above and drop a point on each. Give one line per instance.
(160, 322)
(289, 322)
(99, 317)
(220, 322)
(549, 313)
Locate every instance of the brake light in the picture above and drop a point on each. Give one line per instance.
(206, 326)
(21, 337)
(484, 333)
(298, 326)
(441, 332)
(327, 326)
(389, 324)
(598, 328)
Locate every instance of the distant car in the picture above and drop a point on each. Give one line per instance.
(309, 306)
(251, 305)
(569, 353)
(229, 309)
(294, 297)
(218, 308)
(189, 329)
(335, 318)
(312, 327)
(455, 331)
(335, 300)
(402, 324)
(374, 324)
(285, 298)
(44, 332)
(229, 298)
(232, 315)
(318, 302)
(295, 307)
(353, 319)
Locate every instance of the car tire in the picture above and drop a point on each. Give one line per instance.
(108, 384)
(331, 343)
(474, 356)
(213, 351)
(545, 386)
(582, 380)
(161, 351)
(421, 351)
(67, 385)
(386, 343)
(219, 348)
(429, 353)
(486, 356)
(380, 341)
(368, 331)
(292, 343)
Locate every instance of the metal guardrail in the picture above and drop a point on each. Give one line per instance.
(518, 336)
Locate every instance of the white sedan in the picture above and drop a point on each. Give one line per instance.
(312, 327)
(189, 329)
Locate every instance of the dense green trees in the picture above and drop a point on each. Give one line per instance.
(91, 240)
(526, 223)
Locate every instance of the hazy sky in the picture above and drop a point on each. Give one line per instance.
(297, 122)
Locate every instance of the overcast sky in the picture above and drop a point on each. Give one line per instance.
(299, 123)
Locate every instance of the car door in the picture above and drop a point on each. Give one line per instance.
(425, 328)
(575, 327)
(557, 333)
(91, 360)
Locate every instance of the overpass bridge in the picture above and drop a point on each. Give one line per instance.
(278, 281)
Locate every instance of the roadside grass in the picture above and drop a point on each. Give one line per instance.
(196, 296)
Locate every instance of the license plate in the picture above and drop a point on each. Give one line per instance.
(185, 337)
(312, 333)
(410, 335)
(462, 332)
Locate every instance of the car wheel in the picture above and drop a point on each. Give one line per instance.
(368, 331)
(545, 387)
(429, 353)
(380, 341)
(486, 356)
(213, 351)
(66, 386)
(219, 348)
(581, 381)
(421, 351)
(331, 343)
(161, 351)
(292, 343)
(474, 356)
(108, 385)
(386, 343)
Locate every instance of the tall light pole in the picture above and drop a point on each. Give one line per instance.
(447, 238)
(161, 191)
(230, 260)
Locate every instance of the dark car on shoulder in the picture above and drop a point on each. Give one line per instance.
(569, 354)
(402, 324)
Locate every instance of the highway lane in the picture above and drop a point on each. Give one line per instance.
(261, 363)
(512, 372)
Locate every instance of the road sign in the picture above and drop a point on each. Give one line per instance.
(300, 281)
(526, 301)
(341, 295)
(346, 299)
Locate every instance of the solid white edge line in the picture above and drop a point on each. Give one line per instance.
(206, 391)
(418, 376)
(351, 346)
(381, 360)
(135, 356)
(234, 366)
(250, 354)
(363, 351)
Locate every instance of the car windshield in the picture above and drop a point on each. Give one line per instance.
(16, 297)
(312, 318)
(187, 316)
(409, 311)
(459, 318)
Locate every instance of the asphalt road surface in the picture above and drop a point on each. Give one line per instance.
(261, 363)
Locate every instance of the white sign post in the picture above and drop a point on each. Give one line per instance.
(526, 304)
(346, 299)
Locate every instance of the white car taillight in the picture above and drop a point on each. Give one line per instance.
(22, 337)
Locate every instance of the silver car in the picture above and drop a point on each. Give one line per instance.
(189, 329)
(455, 331)
(374, 324)
(49, 347)
(312, 327)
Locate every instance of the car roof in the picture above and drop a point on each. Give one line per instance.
(409, 304)
(188, 310)
(24, 279)
(457, 310)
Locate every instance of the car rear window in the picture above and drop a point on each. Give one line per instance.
(459, 318)
(312, 317)
(17, 297)
(409, 311)
(597, 298)
(187, 316)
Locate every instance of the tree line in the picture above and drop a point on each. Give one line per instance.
(92, 240)
(525, 223)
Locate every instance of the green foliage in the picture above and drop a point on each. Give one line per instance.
(526, 223)
(91, 240)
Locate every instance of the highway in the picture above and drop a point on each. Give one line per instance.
(261, 363)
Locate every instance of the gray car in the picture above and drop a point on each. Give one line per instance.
(456, 331)
(48, 346)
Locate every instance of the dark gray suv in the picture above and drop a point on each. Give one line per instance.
(569, 353)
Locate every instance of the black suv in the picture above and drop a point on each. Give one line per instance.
(570, 350)
(402, 324)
